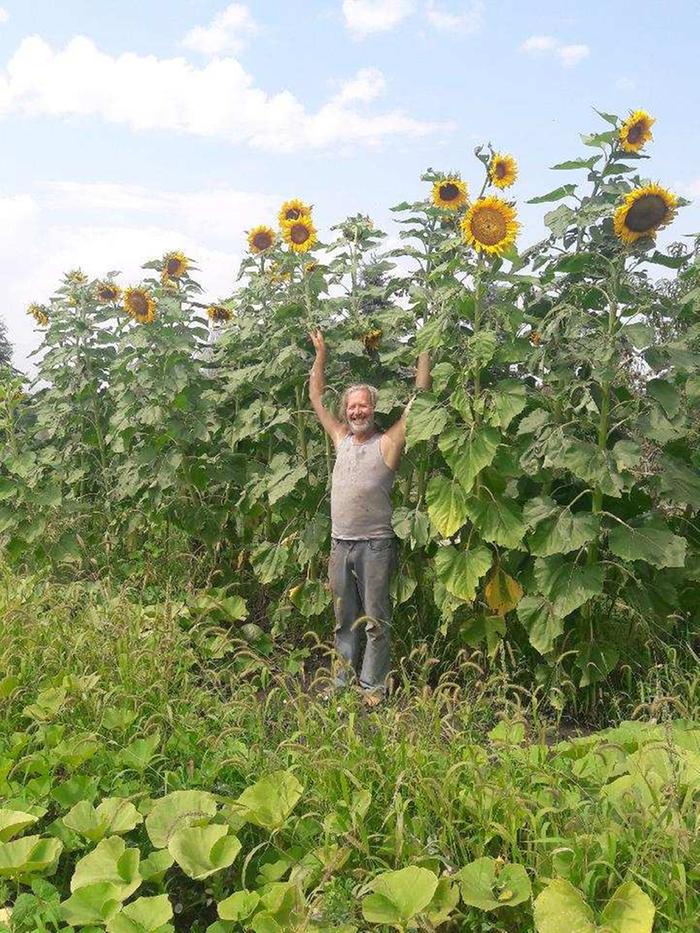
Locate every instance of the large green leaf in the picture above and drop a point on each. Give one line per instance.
(269, 561)
(447, 505)
(568, 585)
(486, 886)
(93, 904)
(144, 915)
(540, 621)
(629, 910)
(656, 546)
(460, 571)
(176, 811)
(311, 597)
(399, 896)
(411, 525)
(498, 519)
(28, 855)
(508, 399)
(115, 815)
(561, 908)
(679, 482)
(666, 394)
(502, 592)
(556, 195)
(468, 449)
(269, 802)
(563, 532)
(201, 851)
(238, 906)
(425, 419)
(13, 822)
(110, 862)
(586, 461)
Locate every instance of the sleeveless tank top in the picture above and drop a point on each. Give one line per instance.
(361, 491)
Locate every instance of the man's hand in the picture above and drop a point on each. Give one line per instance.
(318, 342)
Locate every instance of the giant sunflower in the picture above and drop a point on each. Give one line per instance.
(140, 305)
(450, 193)
(635, 132)
(39, 314)
(643, 212)
(108, 291)
(175, 265)
(490, 225)
(218, 314)
(293, 210)
(503, 170)
(300, 235)
(260, 239)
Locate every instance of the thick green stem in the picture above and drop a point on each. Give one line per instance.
(301, 426)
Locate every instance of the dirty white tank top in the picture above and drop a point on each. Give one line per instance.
(361, 491)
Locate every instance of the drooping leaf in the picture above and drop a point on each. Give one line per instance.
(27, 855)
(447, 505)
(426, 418)
(468, 450)
(540, 622)
(269, 561)
(310, 597)
(399, 896)
(498, 519)
(563, 191)
(588, 462)
(508, 399)
(666, 394)
(460, 571)
(411, 525)
(563, 532)
(502, 592)
(656, 546)
(13, 822)
(679, 482)
(568, 585)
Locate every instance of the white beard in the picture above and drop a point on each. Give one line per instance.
(361, 427)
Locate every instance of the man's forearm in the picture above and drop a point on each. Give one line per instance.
(423, 378)
(317, 379)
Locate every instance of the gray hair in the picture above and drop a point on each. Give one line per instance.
(361, 387)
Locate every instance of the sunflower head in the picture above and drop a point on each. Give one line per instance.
(643, 212)
(175, 265)
(108, 291)
(293, 210)
(635, 132)
(261, 239)
(140, 305)
(218, 314)
(503, 170)
(76, 277)
(39, 314)
(535, 338)
(490, 225)
(300, 235)
(371, 339)
(449, 193)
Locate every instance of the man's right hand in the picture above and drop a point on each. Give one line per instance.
(318, 342)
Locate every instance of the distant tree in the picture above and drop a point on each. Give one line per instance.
(5, 345)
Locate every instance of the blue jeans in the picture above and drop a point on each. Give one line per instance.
(360, 573)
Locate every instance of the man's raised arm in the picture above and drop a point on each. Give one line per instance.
(317, 386)
(395, 438)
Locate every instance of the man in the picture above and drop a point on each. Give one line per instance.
(363, 545)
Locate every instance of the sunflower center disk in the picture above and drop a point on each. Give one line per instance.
(174, 267)
(646, 213)
(635, 132)
(449, 192)
(262, 241)
(489, 226)
(293, 214)
(139, 304)
(299, 233)
(500, 170)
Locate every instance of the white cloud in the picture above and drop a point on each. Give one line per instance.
(368, 84)
(571, 55)
(568, 55)
(116, 227)
(469, 20)
(228, 32)
(218, 100)
(364, 17)
(4, 15)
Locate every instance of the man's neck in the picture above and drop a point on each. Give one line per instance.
(364, 436)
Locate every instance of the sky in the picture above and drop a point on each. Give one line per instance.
(131, 127)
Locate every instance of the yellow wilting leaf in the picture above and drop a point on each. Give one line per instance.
(502, 592)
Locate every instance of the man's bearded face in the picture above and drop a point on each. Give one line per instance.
(359, 412)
